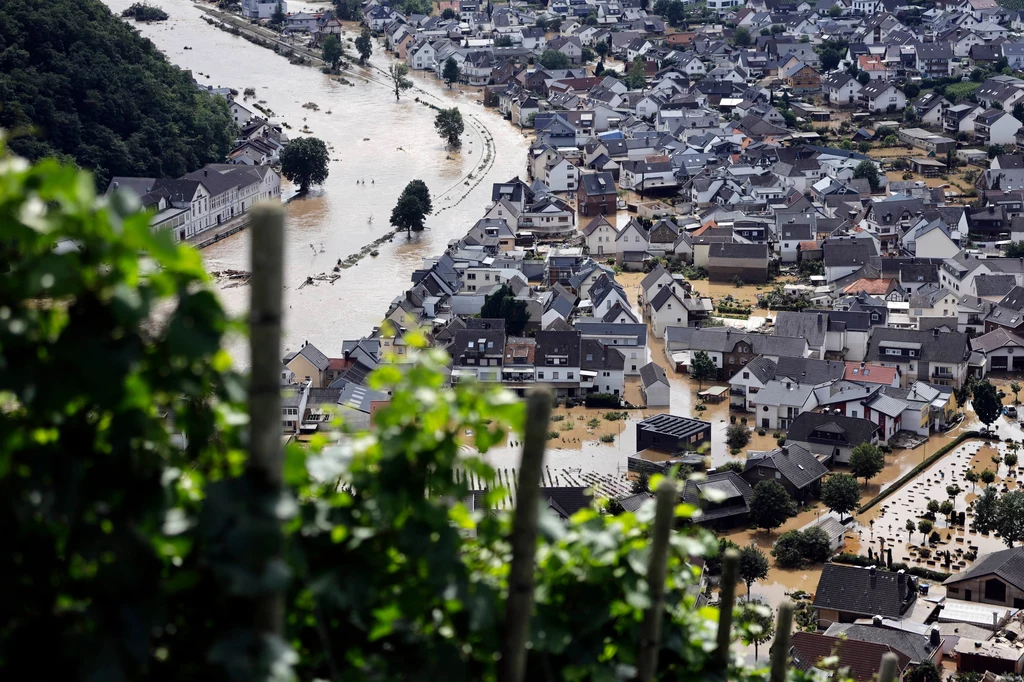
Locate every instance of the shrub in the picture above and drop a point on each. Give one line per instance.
(761, 432)
(552, 435)
(594, 423)
(608, 438)
(780, 441)
(602, 400)
(737, 436)
(615, 416)
(557, 417)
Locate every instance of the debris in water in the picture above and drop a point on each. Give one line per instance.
(375, 253)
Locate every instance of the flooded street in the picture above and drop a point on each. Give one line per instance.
(373, 139)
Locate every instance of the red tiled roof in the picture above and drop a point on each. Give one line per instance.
(863, 659)
(869, 373)
(870, 286)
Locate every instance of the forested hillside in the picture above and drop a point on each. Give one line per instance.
(78, 82)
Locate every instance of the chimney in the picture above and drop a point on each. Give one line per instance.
(901, 577)
(789, 386)
(934, 638)
(862, 365)
(876, 621)
(819, 320)
(871, 571)
(935, 332)
(205, 173)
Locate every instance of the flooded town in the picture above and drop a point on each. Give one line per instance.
(772, 249)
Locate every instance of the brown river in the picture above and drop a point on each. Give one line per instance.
(372, 139)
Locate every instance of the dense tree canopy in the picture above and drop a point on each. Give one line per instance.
(92, 90)
(503, 304)
(553, 59)
(986, 402)
(449, 125)
(413, 207)
(840, 493)
(866, 461)
(304, 161)
(771, 505)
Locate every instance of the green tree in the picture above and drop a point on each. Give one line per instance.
(770, 505)
(503, 41)
(503, 304)
(910, 526)
(972, 478)
(332, 51)
(987, 404)
(398, 74)
(741, 37)
(541, 23)
(840, 493)
(866, 461)
(788, 550)
(602, 49)
(995, 150)
(933, 506)
(414, 205)
(830, 53)
(753, 566)
(756, 623)
(348, 10)
(1015, 389)
(278, 18)
(834, 11)
(108, 99)
(713, 563)
(642, 483)
(869, 171)
(554, 60)
(988, 476)
(1010, 518)
(304, 162)
(1011, 457)
(451, 72)
(636, 78)
(737, 436)
(946, 508)
(817, 546)
(986, 511)
(364, 45)
(702, 368)
(925, 526)
(1014, 249)
(448, 124)
(924, 671)
(448, 14)
(863, 78)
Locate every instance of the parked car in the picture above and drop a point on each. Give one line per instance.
(1010, 411)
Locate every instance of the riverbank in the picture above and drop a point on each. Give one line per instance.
(373, 140)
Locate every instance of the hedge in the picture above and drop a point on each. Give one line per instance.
(899, 483)
(602, 400)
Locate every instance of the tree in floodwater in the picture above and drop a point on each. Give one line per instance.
(398, 74)
(364, 45)
(451, 72)
(332, 51)
(413, 206)
(304, 162)
(449, 126)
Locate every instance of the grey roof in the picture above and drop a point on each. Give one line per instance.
(724, 339)
(796, 463)
(810, 370)
(914, 646)
(1008, 564)
(737, 495)
(838, 253)
(994, 285)
(843, 430)
(359, 397)
(888, 405)
(634, 502)
(313, 354)
(762, 368)
(653, 276)
(790, 393)
(663, 295)
(591, 327)
(651, 374)
(811, 326)
(726, 250)
(948, 347)
(565, 343)
(997, 338)
(673, 425)
(854, 590)
(598, 356)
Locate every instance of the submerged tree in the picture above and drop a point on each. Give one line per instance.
(398, 74)
(448, 124)
(304, 162)
(364, 45)
(451, 72)
(332, 51)
(413, 206)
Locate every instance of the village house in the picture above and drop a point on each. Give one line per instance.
(831, 436)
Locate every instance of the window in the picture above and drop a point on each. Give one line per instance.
(540, 375)
(554, 376)
(569, 375)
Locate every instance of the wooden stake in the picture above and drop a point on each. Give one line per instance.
(730, 574)
(524, 539)
(887, 673)
(266, 460)
(780, 648)
(650, 632)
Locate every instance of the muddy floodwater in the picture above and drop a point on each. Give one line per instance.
(373, 140)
